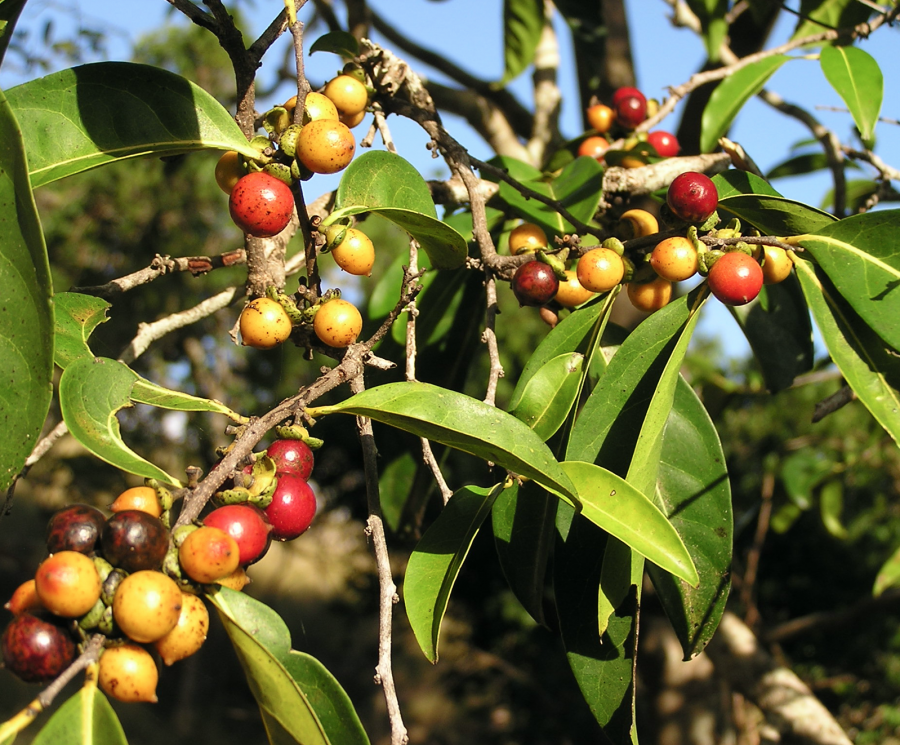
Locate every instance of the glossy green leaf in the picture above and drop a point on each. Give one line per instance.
(730, 96)
(776, 215)
(460, 422)
(9, 14)
(145, 392)
(713, 24)
(816, 16)
(693, 487)
(384, 183)
(733, 182)
(90, 393)
(857, 78)
(779, 330)
(87, 116)
(861, 256)
(857, 193)
(523, 22)
(84, 719)
(75, 317)
(437, 559)
(546, 400)
(262, 643)
(26, 314)
(337, 42)
(800, 165)
(889, 575)
(870, 368)
(393, 488)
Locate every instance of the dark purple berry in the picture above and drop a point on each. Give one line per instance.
(534, 283)
(75, 528)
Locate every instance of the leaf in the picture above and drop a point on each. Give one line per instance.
(714, 25)
(393, 488)
(831, 504)
(778, 328)
(145, 392)
(730, 96)
(776, 215)
(889, 575)
(733, 182)
(801, 472)
(337, 42)
(437, 559)
(460, 422)
(817, 16)
(523, 23)
(262, 643)
(800, 165)
(84, 719)
(861, 256)
(857, 78)
(26, 314)
(9, 14)
(75, 316)
(547, 398)
(90, 393)
(870, 369)
(87, 116)
(384, 183)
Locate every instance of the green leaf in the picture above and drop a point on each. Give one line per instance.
(384, 183)
(817, 16)
(84, 719)
(713, 24)
(733, 182)
(831, 505)
(75, 316)
(262, 643)
(87, 116)
(857, 78)
(523, 22)
(870, 369)
(393, 488)
(800, 165)
(779, 330)
(26, 314)
(145, 392)
(776, 215)
(9, 14)
(90, 393)
(547, 398)
(460, 422)
(861, 256)
(730, 96)
(622, 511)
(801, 472)
(889, 575)
(336, 42)
(437, 559)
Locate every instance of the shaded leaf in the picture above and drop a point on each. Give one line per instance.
(857, 78)
(393, 488)
(523, 22)
(75, 317)
(831, 505)
(87, 116)
(889, 574)
(816, 16)
(547, 398)
(800, 165)
(338, 42)
(801, 472)
(84, 719)
(9, 14)
(856, 193)
(713, 24)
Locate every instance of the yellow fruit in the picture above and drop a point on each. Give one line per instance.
(189, 633)
(637, 224)
(264, 324)
(141, 498)
(128, 673)
(319, 106)
(208, 554)
(337, 323)
(571, 293)
(229, 170)
(526, 237)
(600, 269)
(147, 605)
(348, 94)
(67, 584)
(325, 146)
(355, 254)
(650, 296)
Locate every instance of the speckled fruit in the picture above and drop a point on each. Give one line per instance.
(600, 269)
(189, 633)
(355, 254)
(325, 146)
(292, 456)
(264, 324)
(247, 525)
(534, 283)
(292, 509)
(735, 278)
(348, 94)
(675, 259)
(318, 106)
(134, 540)
(75, 528)
(692, 196)
(68, 584)
(571, 293)
(140, 498)
(665, 144)
(261, 205)
(128, 673)
(208, 554)
(650, 296)
(146, 606)
(36, 650)
(337, 323)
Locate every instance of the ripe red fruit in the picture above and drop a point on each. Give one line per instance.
(248, 526)
(736, 278)
(75, 528)
(692, 196)
(534, 283)
(625, 92)
(261, 205)
(36, 650)
(292, 456)
(665, 143)
(292, 509)
(631, 111)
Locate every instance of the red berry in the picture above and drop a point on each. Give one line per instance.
(534, 283)
(665, 144)
(292, 456)
(736, 278)
(261, 205)
(292, 509)
(134, 540)
(248, 526)
(36, 650)
(631, 111)
(625, 92)
(692, 196)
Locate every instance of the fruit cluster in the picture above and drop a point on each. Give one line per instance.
(139, 584)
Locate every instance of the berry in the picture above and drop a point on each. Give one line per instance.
(355, 254)
(534, 283)
(134, 540)
(593, 147)
(650, 296)
(571, 293)
(325, 146)
(292, 509)
(36, 650)
(264, 324)
(337, 323)
(261, 205)
(75, 528)
(236, 581)
(636, 223)
(352, 121)
(146, 606)
(318, 106)
(247, 525)
(25, 599)
(665, 144)
(675, 259)
(692, 196)
(292, 456)
(128, 673)
(735, 278)
(348, 94)
(631, 110)
(600, 269)
(526, 238)
(229, 170)
(140, 498)
(208, 554)
(600, 117)
(625, 92)
(777, 266)
(68, 584)
(189, 633)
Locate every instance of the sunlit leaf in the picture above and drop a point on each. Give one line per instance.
(523, 22)
(857, 78)
(816, 16)
(338, 42)
(145, 392)
(84, 719)
(75, 317)
(546, 400)
(776, 215)
(889, 574)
